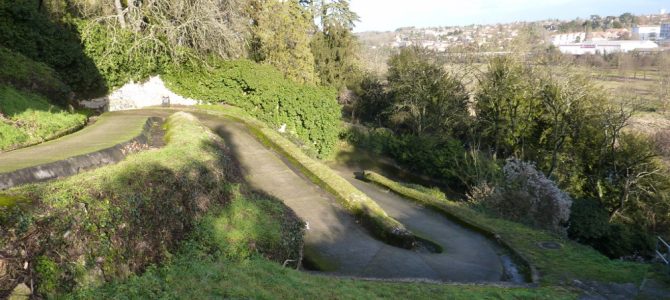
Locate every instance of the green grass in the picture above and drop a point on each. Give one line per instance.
(572, 261)
(24, 73)
(117, 220)
(28, 119)
(359, 204)
(194, 275)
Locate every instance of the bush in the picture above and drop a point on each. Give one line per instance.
(310, 113)
(526, 195)
(440, 157)
(589, 224)
(118, 55)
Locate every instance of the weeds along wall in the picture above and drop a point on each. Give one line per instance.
(311, 113)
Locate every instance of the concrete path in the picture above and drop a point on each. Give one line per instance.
(109, 130)
(465, 251)
(333, 238)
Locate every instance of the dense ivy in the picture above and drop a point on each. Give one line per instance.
(311, 113)
(117, 56)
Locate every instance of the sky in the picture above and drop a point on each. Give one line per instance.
(387, 15)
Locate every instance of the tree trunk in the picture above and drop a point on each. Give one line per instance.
(119, 13)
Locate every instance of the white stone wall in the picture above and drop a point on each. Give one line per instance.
(138, 95)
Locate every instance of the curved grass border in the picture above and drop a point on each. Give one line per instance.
(437, 204)
(360, 205)
(51, 137)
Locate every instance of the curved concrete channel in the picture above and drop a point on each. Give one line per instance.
(336, 243)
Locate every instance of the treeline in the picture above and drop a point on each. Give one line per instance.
(96, 46)
(529, 143)
(598, 23)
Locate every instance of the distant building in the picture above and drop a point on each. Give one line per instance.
(604, 47)
(567, 38)
(665, 31)
(647, 33)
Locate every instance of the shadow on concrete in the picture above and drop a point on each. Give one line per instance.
(335, 242)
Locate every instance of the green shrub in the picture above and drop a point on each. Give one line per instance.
(589, 224)
(440, 157)
(310, 113)
(48, 273)
(117, 54)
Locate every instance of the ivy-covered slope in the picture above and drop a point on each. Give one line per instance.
(311, 113)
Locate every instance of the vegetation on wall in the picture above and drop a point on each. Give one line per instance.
(26, 30)
(26, 74)
(309, 113)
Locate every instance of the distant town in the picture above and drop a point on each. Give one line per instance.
(610, 34)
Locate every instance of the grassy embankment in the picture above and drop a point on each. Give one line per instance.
(27, 119)
(359, 204)
(116, 221)
(558, 266)
(27, 115)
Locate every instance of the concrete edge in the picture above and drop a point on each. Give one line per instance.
(76, 164)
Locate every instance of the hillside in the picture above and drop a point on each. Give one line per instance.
(28, 115)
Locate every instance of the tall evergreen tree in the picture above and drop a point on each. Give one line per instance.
(281, 37)
(334, 46)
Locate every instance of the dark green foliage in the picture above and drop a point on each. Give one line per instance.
(374, 104)
(25, 30)
(335, 46)
(310, 113)
(505, 106)
(589, 224)
(334, 52)
(589, 221)
(118, 56)
(440, 157)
